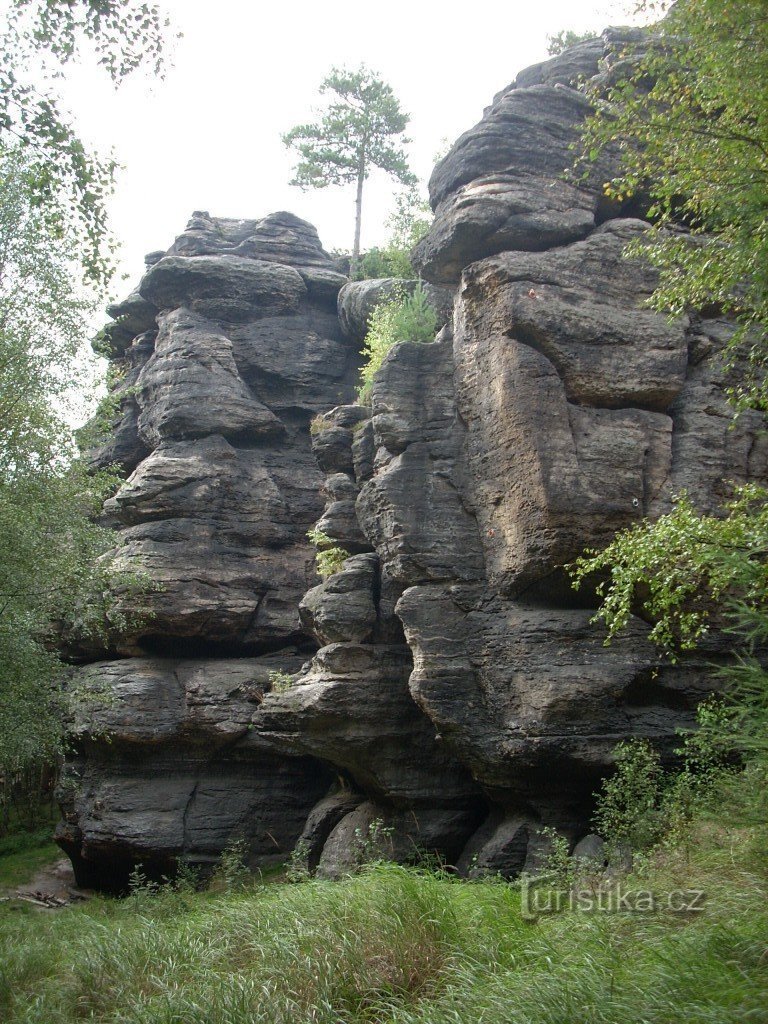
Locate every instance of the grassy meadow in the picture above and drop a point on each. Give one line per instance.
(400, 945)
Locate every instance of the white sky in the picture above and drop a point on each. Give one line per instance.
(208, 136)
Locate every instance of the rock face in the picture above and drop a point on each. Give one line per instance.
(446, 690)
(237, 348)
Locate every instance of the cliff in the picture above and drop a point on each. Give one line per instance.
(447, 681)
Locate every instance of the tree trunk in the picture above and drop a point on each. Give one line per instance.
(358, 215)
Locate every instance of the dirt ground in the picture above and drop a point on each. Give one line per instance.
(53, 886)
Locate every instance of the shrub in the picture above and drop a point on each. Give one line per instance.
(564, 38)
(643, 805)
(279, 681)
(409, 222)
(628, 809)
(330, 557)
(399, 318)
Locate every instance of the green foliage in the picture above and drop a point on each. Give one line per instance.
(52, 565)
(279, 681)
(361, 128)
(683, 569)
(330, 557)
(373, 845)
(558, 865)
(297, 869)
(691, 124)
(70, 185)
(232, 870)
(692, 574)
(408, 224)
(22, 854)
(628, 809)
(564, 38)
(399, 318)
(643, 805)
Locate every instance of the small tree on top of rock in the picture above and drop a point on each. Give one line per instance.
(567, 37)
(361, 128)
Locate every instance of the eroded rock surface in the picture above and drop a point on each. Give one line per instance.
(237, 348)
(461, 697)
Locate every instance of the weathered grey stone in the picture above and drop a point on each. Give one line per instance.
(166, 776)
(278, 238)
(464, 700)
(529, 698)
(505, 185)
(134, 314)
(342, 608)
(222, 531)
(191, 387)
(353, 841)
(502, 185)
(121, 445)
(230, 288)
(353, 709)
(411, 508)
(339, 522)
(590, 852)
(322, 820)
(499, 847)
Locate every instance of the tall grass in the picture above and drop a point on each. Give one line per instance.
(393, 946)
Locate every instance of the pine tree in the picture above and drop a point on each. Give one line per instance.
(361, 128)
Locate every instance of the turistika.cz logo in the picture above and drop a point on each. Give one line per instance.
(541, 896)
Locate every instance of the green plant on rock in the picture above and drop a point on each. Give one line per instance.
(682, 568)
(566, 37)
(690, 132)
(371, 845)
(691, 575)
(399, 318)
(643, 805)
(279, 681)
(330, 557)
(408, 224)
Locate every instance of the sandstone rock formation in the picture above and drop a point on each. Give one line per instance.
(446, 691)
(237, 348)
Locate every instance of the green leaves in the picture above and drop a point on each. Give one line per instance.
(399, 318)
(357, 126)
(684, 569)
(408, 224)
(40, 37)
(329, 557)
(690, 121)
(53, 567)
(360, 128)
(564, 38)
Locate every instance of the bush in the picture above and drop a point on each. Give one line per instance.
(408, 224)
(330, 557)
(279, 681)
(628, 809)
(566, 37)
(399, 318)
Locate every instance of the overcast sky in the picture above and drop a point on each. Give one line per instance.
(208, 136)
